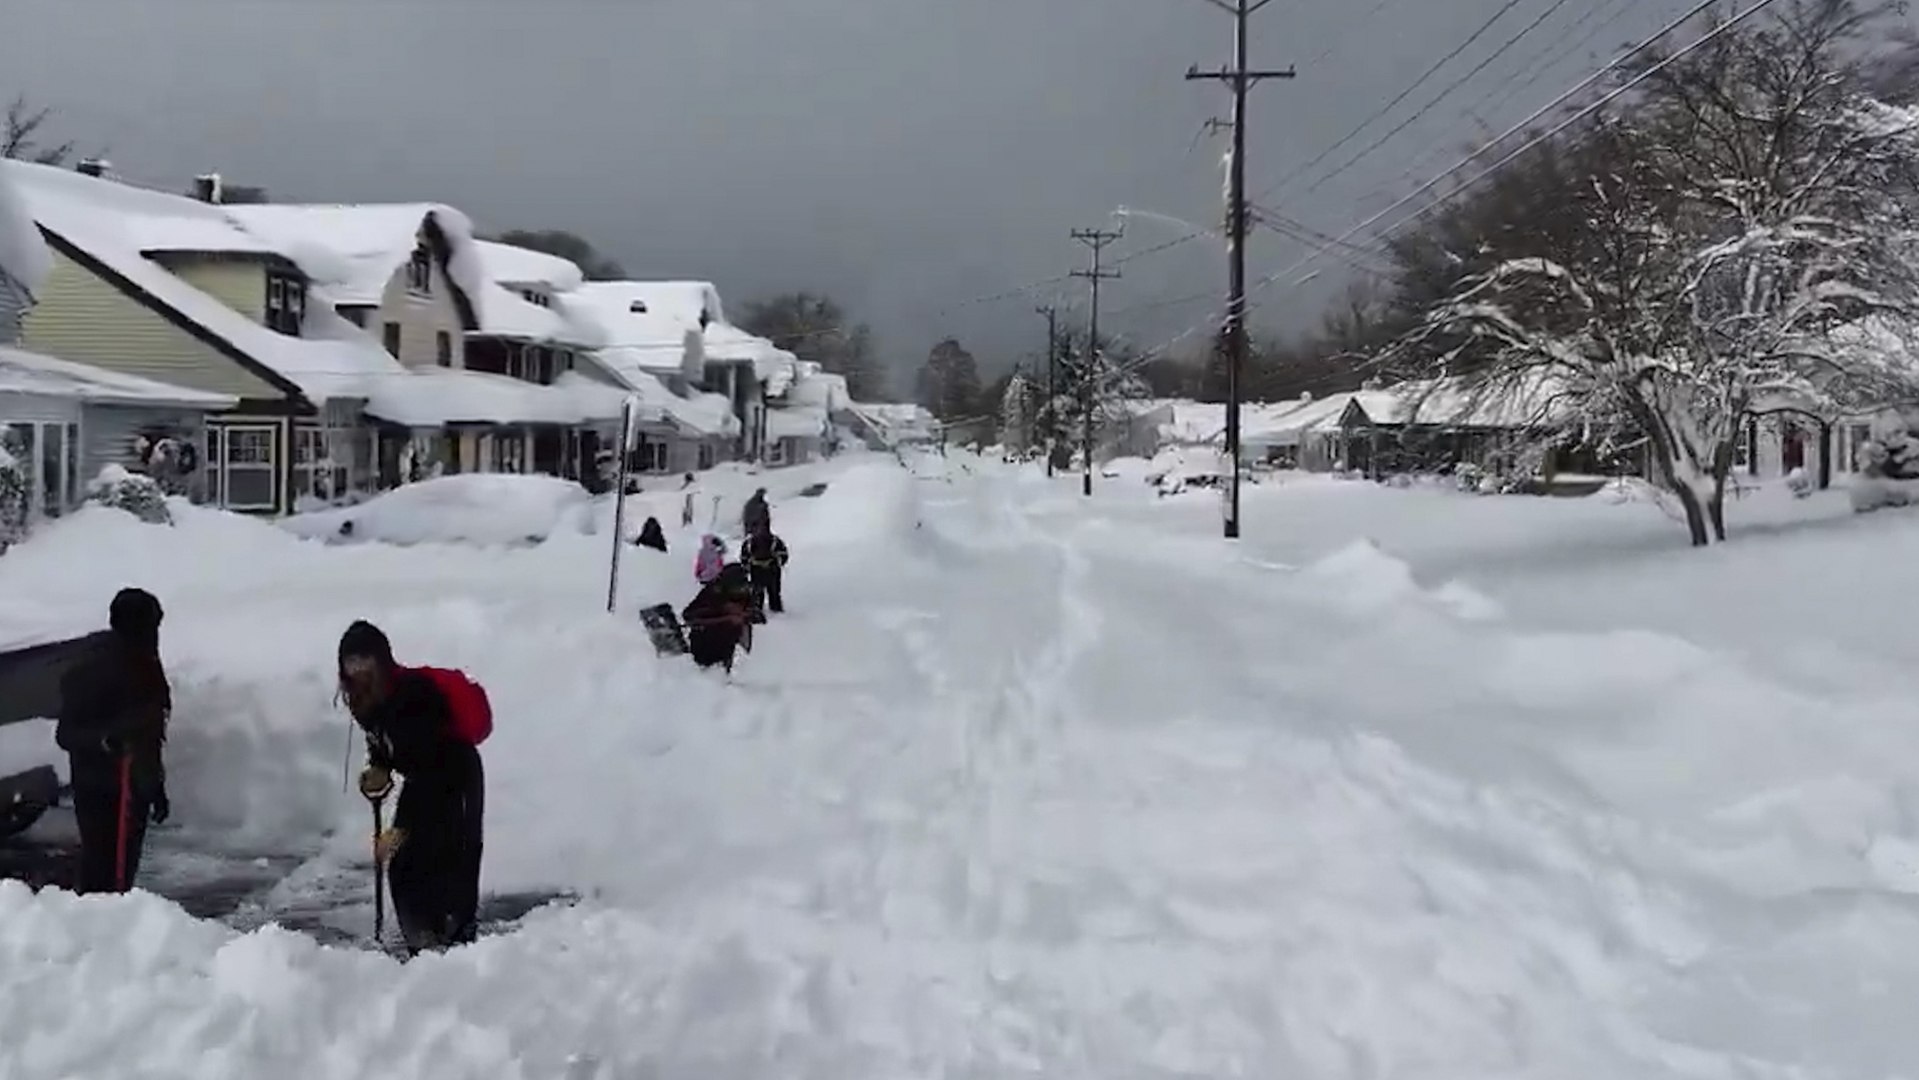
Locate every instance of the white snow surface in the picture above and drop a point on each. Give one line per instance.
(23, 254)
(1407, 784)
(432, 397)
(513, 265)
(118, 224)
(23, 372)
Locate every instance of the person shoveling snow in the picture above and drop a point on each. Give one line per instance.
(426, 724)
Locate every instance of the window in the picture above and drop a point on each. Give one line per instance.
(286, 302)
(242, 461)
(393, 339)
(537, 298)
(563, 364)
(443, 349)
(540, 370)
(49, 454)
(508, 453)
(316, 475)
(419, 272)
(706, 455)
(516, 360)
(355, 315)
(776, 452)
(649, 456)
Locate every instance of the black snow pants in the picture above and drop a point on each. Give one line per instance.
(766, 585)
(100, 794)
(713, 646)
(435, 875)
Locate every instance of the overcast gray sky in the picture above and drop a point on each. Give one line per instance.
(905, 155)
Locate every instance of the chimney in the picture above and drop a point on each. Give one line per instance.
(92, 166)
(207, 188)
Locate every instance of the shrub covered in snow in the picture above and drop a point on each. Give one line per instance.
(135, 493)
(14, 490)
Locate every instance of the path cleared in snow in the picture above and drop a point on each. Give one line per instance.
(1022, 786)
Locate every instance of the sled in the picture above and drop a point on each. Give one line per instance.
(663, 626)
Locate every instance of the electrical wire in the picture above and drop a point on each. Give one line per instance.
(1714, 32)
(1505, 7)
(1450, 88)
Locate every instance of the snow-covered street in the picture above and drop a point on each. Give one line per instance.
(1027, 785)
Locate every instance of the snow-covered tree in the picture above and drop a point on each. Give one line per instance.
(1019, 408)
(1750, 210)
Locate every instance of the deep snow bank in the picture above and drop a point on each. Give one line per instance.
(480, 508)
(1077, 796)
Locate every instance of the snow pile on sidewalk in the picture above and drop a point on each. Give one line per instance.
(1026, 785)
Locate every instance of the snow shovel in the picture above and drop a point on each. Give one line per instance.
(120, 882)
(379, 872)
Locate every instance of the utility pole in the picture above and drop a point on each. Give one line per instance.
(1052, 358)
(1097, 241)
(1239, 78)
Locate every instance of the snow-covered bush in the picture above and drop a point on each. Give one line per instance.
(14, 490)
(1799, 484)
(138, 495)
(1470, 477)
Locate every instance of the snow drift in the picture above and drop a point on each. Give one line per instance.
(1030, 784)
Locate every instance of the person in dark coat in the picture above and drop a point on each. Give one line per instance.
(433, 848)
(652, 535)
(765, 558)
(756, 515)
(114, 705)
(717, 619)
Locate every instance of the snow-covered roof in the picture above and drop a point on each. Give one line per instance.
(631, 341)
(1457, 402)
(1285, 426)
(115, 225)
(815, 387)
(433, 397)
(796, 422)
(511, 265)
(897, 422)
(24, 258)
(352, 251)
(24, 372)
(681, 304)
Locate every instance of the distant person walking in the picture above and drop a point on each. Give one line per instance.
(114, 706)
(756, 517)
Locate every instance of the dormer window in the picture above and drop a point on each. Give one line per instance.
(286, 309)
(419, 272)
(637, 307)
(706, 318)
(537, 298)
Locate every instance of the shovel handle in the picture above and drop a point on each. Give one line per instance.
(379, 871)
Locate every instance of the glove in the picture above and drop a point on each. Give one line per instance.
(388, 842)
(162, 809)
(376, 783)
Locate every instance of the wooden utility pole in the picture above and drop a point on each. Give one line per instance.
(1052, 358)
(1097, 241)
(1239, 79)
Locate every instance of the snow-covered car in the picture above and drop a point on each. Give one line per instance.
(29, 697)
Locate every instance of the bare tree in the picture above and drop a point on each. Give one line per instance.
(20, 134)
(1721, 246)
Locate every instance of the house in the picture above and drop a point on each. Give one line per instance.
(661, 361)
(803, 424)
(24, 261)
(749, 371)
(888, 426)
(1304, 434)
(170, 289)
(499, 397)
(67, 421)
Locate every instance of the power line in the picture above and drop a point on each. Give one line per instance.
(1758, 5)
(1550, 11)
(1390, 105)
